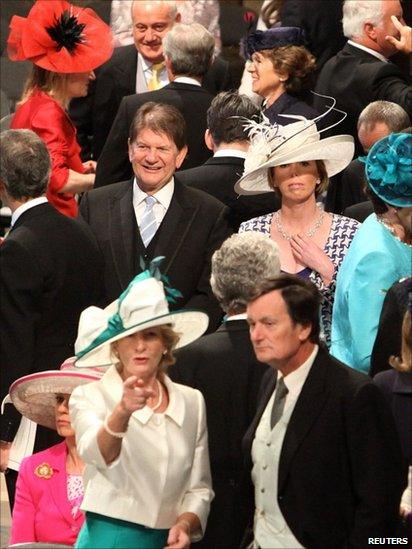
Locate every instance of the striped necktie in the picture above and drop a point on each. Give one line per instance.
(148, 223)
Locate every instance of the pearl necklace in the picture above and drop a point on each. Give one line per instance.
(287, 236)
(159, 398)
(391, 229)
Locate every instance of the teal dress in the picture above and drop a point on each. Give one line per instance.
(375, 260)
(110, 533)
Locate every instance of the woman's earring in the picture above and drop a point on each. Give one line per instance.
(318, 182)
(164, 352)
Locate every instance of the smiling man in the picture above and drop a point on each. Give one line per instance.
(322, 449)
(155, 215)
(136, 68)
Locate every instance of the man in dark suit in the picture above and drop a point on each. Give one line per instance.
(361, 73)
(224, 368)
(388, 340)
(227, 138)
(50, 270)
(136, 68)
(188, 51)
(326, 458)
(377, 120)
(154, 214)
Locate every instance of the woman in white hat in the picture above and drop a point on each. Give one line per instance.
(49, 487)
(296, 164)
(143, 437)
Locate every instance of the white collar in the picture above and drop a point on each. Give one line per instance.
(163, 196)
(368, 50)
(146, 65)
(187, 80)
(241, 316)
(26, 206)
(230, 152)
(113, 384)
(295, 380)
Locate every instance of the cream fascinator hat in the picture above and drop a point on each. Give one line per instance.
(142, 305)
(273, 145)
(34, 395)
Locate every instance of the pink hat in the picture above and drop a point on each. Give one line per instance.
(34, 395)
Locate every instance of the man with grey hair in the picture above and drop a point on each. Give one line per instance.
(188, 51)
(136, 68)
(50, 270)
(361, 72)
(376, 120)
(223, 367)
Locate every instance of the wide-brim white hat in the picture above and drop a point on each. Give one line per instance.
(275, 145)
(142, 305)
(34, 395)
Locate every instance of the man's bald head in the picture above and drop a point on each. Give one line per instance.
(151, 21)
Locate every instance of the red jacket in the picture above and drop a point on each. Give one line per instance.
(46, 117)
(41, 510)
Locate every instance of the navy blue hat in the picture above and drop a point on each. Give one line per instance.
(274, 38)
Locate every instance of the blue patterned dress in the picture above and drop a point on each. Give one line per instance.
(342, 231)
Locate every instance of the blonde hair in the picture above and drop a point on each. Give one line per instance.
(404, 362)
(169, 339)
(320, 187)
(52, 83)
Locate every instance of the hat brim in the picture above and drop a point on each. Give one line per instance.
(336, 152)
(34, 395)
(188, 324)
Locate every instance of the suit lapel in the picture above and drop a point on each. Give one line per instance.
(307, 409)
(122, 226)
(174, 228)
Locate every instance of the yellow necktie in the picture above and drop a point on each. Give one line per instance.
(154, 83)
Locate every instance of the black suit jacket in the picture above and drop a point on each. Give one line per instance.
(347, 189)
(388, 340)
(217, 176)
(322, 23)
(50, 270)
(224, 368)
(355, 78)
(193, 228)
(192, 101)
(341, 472)
(359, 211)
(94, 115)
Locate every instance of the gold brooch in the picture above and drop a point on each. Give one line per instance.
(43, 471)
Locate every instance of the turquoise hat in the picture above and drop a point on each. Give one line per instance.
(388, 169)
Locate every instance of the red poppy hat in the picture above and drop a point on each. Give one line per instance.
(60, 37)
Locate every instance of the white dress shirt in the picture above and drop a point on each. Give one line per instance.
(144, 75)
(163, 467)
(163, 196)
(26, 206)
(230, 152)
(368, 50)
(270, 528)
